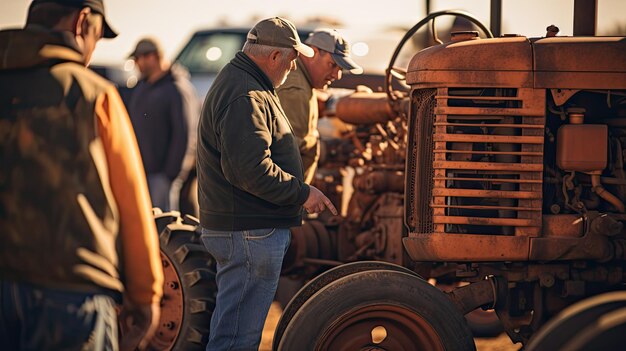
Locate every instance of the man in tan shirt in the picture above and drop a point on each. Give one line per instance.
(298, 95)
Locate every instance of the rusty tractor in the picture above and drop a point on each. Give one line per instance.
(499, 172)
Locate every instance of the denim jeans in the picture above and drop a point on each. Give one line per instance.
(34, 318)
(248, 268)
(159, 186)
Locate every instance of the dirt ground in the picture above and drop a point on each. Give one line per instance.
(500, 343)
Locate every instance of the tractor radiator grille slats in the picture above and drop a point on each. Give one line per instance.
(476, 161)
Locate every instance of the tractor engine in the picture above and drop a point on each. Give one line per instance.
(361, 170)
(516, 168)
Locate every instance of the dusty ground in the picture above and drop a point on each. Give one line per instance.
(501, 343)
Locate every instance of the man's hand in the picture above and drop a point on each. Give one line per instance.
(139, 322)
(317, 202)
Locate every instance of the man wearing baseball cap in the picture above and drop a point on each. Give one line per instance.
(164, 111)
(77, 234)
(250, 182)
(298, 95)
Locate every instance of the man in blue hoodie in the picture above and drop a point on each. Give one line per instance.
(164, 110)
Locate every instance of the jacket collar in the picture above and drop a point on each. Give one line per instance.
(242, 61)
(37, 46)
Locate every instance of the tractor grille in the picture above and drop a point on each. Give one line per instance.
(476, 161)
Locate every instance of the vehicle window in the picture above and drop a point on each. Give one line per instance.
(209, 52)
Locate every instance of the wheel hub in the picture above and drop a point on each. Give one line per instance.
(380, 327)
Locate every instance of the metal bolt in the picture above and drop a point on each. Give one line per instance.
(555, 209)
(546, 280)
(172, 285)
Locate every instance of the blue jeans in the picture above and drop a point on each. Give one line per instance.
(159, 186)
(34, 318)
(248, 268)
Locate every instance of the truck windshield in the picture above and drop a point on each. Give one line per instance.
(208, 52)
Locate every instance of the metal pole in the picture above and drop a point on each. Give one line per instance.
(585, 17)
(495, 20)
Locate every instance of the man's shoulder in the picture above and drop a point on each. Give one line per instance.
(233, 83)
(88, 79)
(296, 83)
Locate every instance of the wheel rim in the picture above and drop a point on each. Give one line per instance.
(171, 308)
(321, 281)
(380, 327)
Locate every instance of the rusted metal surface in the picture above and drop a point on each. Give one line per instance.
(580, 63)
(572, 155)
(440, 247)
(439, 65)
(593, 247)
(495, 17)
(171, 308)
(571, 226)
(380, 327)
(469, 297)
(364, 108)
(558, 62)
(585, 17)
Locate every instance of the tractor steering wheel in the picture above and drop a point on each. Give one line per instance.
(400, 73)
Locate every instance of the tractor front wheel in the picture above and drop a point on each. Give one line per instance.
(378, 310)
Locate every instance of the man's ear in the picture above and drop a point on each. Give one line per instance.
(80, 21)
(275, 56)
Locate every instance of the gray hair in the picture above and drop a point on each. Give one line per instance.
(258, 50)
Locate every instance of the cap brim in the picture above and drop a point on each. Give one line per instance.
(304, 49)
(109, 33)
(347, 63)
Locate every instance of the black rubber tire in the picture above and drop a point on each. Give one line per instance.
(195, 269)
(373, 288)
(560, 330)
(607, 333)
(163, 219)
(321, 281)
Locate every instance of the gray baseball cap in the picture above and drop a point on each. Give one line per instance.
(329, 40)
(97, 6)
(278, 32)
(146, 46)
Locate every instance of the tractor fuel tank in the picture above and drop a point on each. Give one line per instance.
(520, 62)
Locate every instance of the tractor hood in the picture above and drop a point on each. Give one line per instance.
(519, 62)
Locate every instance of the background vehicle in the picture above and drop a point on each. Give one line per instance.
(208, 51)
(501, 195)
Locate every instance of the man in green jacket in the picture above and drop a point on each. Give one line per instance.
(298, 95)
(250, 181)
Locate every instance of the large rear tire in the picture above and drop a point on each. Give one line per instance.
(189, 288)
(380, 309)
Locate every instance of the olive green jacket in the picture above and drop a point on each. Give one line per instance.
(299, 101)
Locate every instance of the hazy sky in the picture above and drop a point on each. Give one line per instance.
(173, 21)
